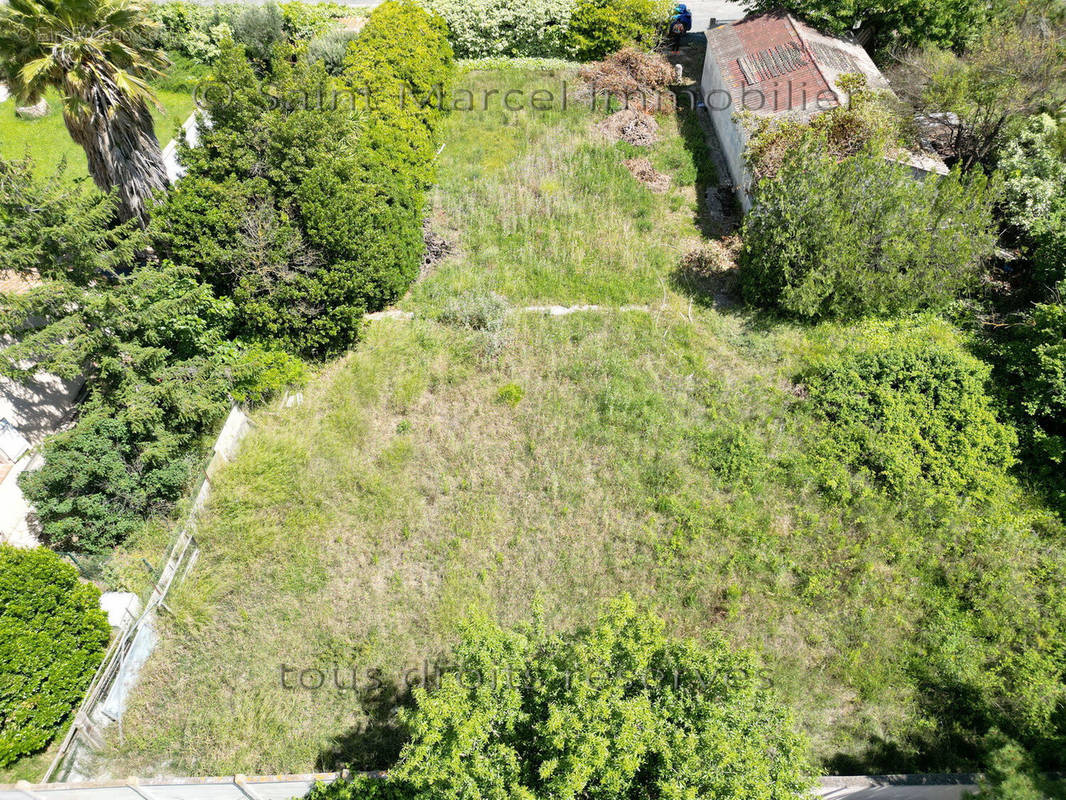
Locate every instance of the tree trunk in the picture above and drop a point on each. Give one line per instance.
(118, 137)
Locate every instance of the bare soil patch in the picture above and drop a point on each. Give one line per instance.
(437, 249)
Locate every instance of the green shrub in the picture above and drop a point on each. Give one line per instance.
(598, 29)
(1013, 775)
(403, 58)
(906, 23)
(257, 374)
(483, 28)
(1032, 359)
(617, 710)
(361, 787)
(192, 30)
(54, 230)
(197, 31)
(94, 489)
(476, 311)
(304, 21)
(1034, 171)
(913, 415)
(259, 29)
(860, 235)
(161, 377)
(330, 48)
(52, 638)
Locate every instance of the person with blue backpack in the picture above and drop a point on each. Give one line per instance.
(680, 24)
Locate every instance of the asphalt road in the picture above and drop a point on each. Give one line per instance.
(703, 11)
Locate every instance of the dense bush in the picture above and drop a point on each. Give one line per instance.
(598, 29)
(1032, 358)
(197, 31)
(161, 377)
(905, 23)
(331, 48)
(52, 638)
(1012, 774)
(259, 29)
(481, 28)
(913, 415)
(869, 123)
(308, 214)
(54, 230)
(846, 237)
(1034, 172)
(618, 710)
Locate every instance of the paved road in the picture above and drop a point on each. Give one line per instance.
(703, 11)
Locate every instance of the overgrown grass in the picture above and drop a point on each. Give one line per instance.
(47, 141)
(499, 464)
(542, 207)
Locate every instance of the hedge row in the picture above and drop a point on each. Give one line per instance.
(579, 29)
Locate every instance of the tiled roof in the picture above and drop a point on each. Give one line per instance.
(773, 64)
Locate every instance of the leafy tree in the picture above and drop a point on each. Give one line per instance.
(52, 638)
(313, 210)
(842, 238)
(1012, 774)
(598, 29)
(889, 23)
(95, 54)
(618, 710)
(53, 230)
(1013, 70)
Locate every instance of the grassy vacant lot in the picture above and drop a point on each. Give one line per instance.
(47, 141)
(544, 210)
(440, 471)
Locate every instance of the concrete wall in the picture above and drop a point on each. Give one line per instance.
(731, 136)
(284, 787)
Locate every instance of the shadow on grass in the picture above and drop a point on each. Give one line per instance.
(965, 739)
(375, 743)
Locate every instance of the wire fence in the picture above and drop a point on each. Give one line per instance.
(105, 699)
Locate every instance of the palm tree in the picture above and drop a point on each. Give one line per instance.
(97, 55)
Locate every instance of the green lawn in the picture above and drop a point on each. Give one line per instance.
(440, 471)
(47, 141)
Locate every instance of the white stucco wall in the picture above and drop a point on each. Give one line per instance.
(731, 136)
